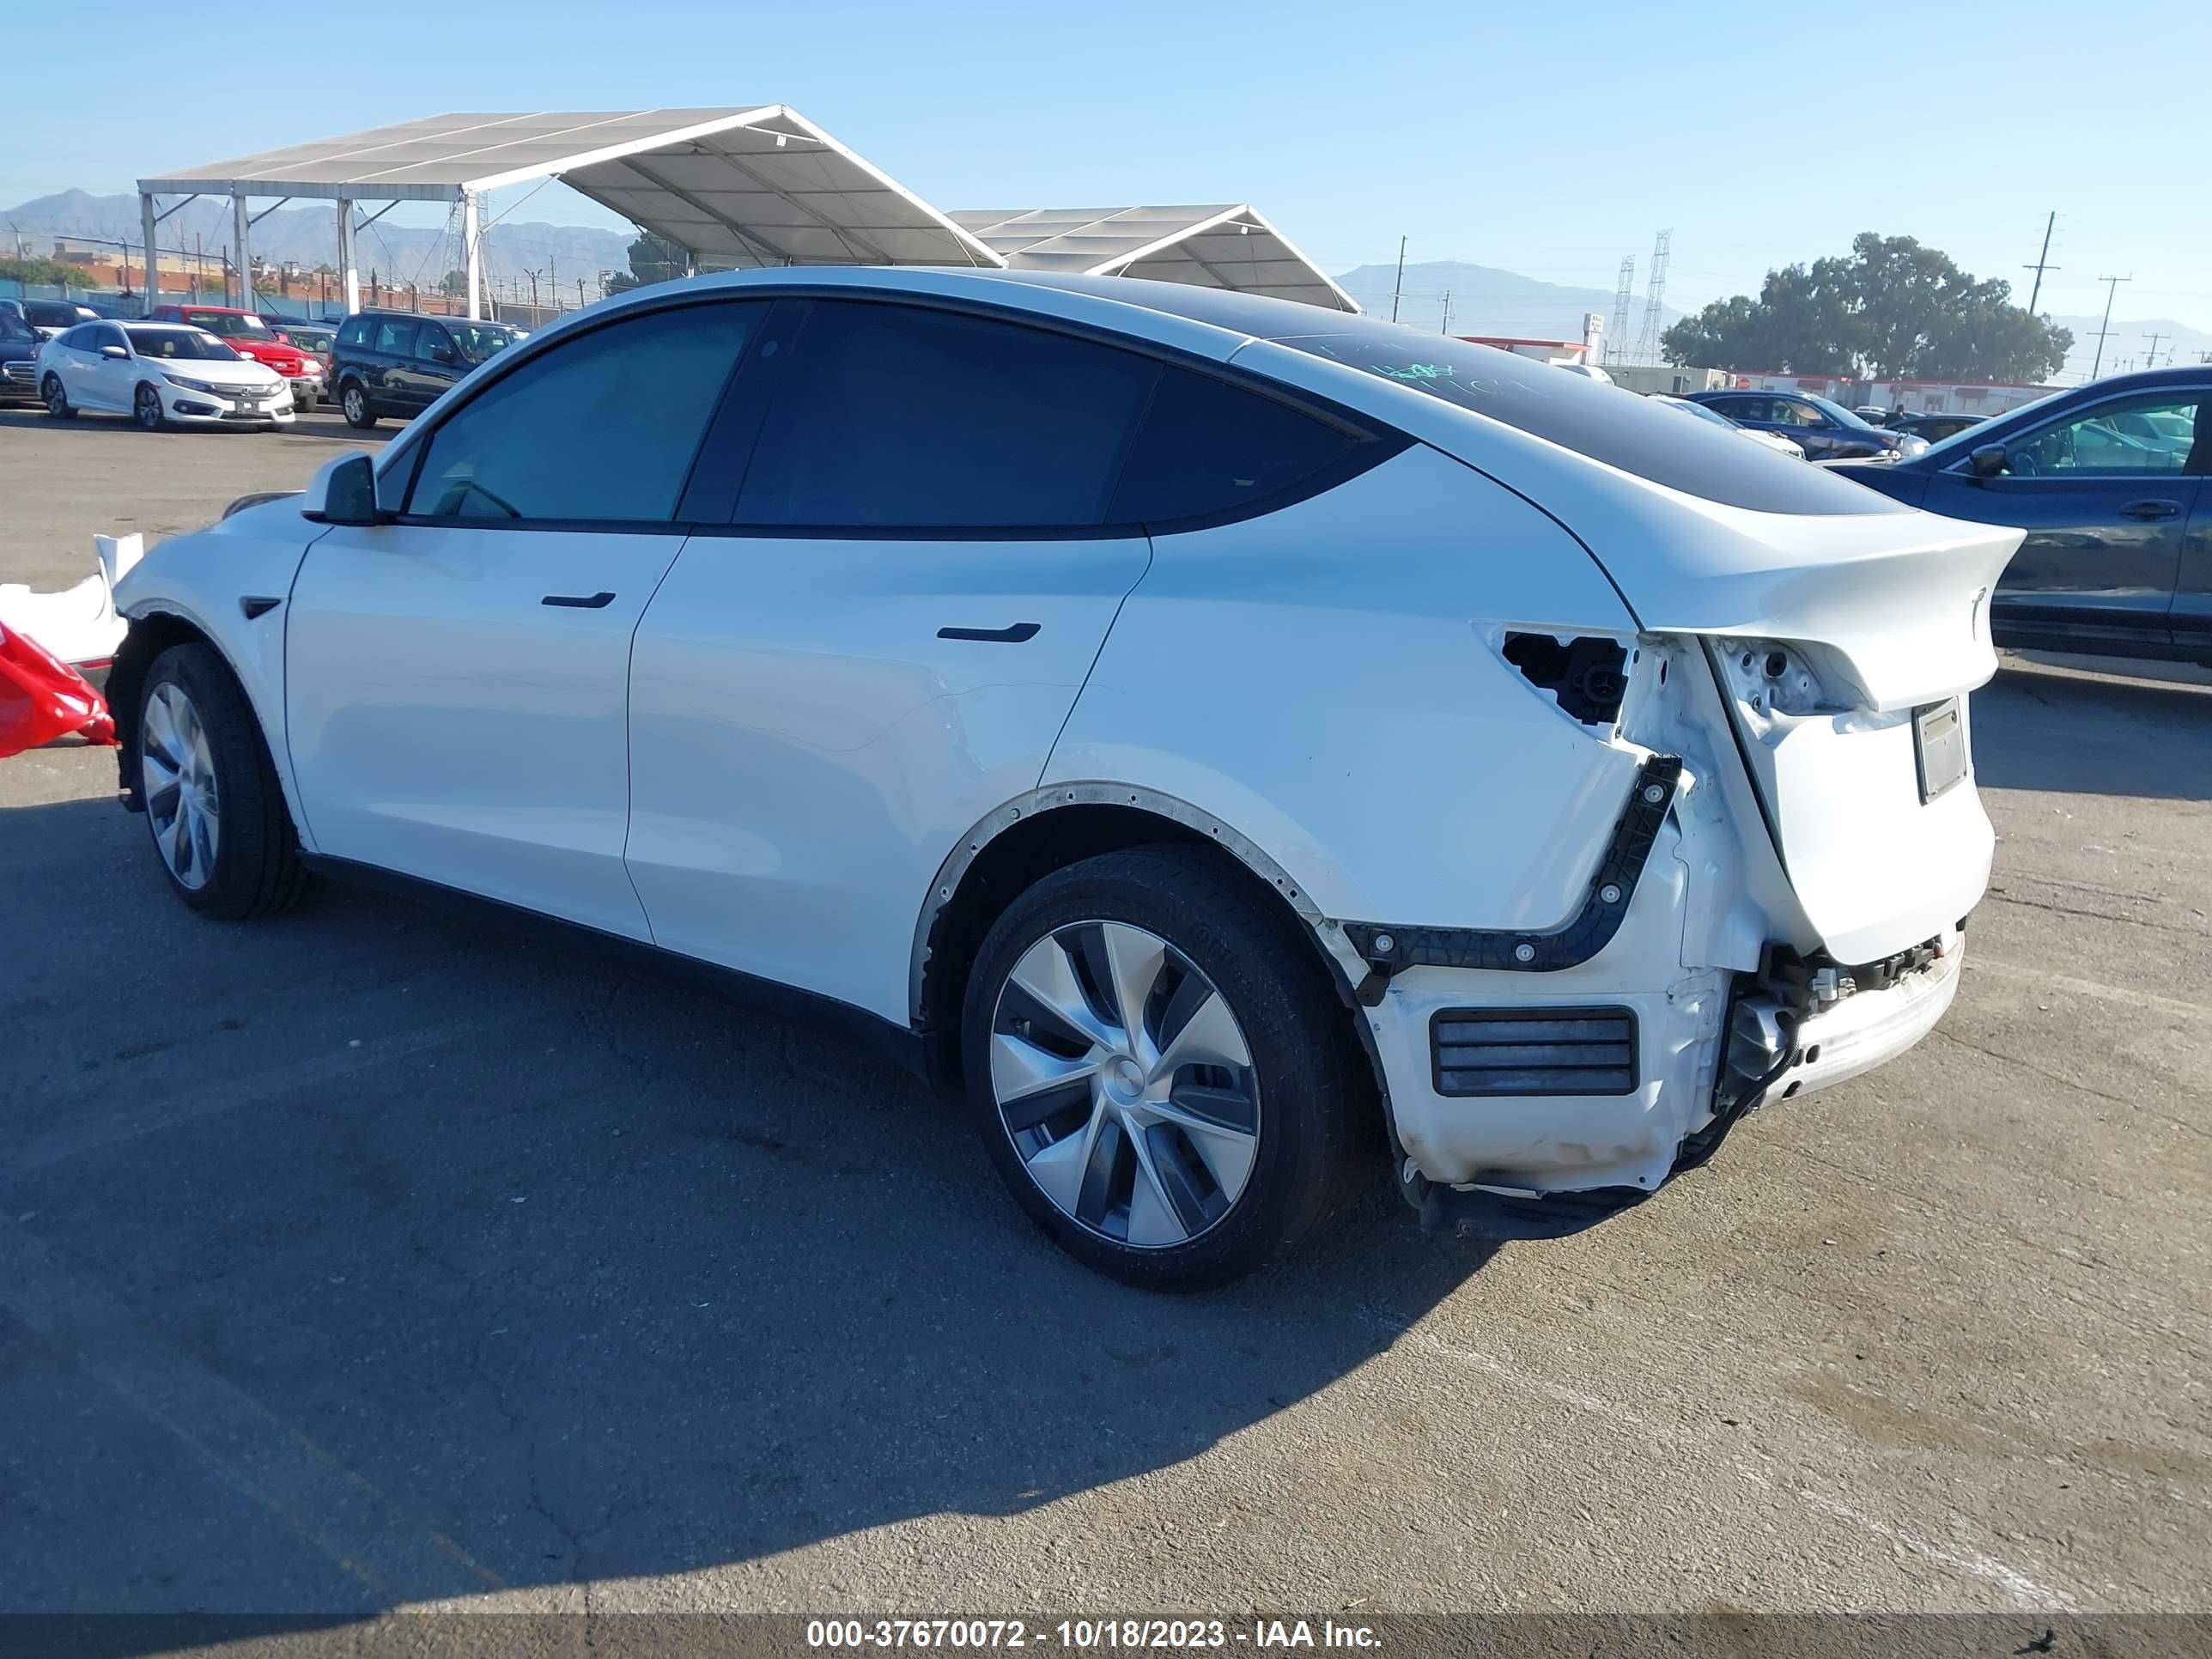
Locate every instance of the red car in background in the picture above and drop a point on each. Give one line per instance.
(245, 332)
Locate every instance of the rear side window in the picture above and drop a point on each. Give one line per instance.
(602, 426)
(355, 332)
(894, 416)
(395, 335)
(1207, 448)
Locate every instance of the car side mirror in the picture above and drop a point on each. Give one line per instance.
(441, 353)
(347, 494)
(283, 339)
(1989, 461)
(115, 352)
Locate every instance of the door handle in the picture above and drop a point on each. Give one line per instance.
(1013, 634)
(599, 601)
(2151, 509)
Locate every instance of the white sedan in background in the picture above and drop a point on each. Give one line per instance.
(1773, 440)
(158, 374)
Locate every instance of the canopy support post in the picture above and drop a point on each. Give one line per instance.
(240, 223)
(471, 243)
(153, 258)
(346, 271)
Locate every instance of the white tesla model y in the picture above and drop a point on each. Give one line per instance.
(1227, 738)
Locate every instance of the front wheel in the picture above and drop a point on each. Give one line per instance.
(353, 402)
(221, 828)
(1164, 1077)
(146, 409)
(56, 399)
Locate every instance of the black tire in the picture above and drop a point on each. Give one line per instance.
(256, 870)
(56, 398)
(354, 404)
(146, 409)
(1315, 1090)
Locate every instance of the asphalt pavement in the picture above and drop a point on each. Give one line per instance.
(381, 1257)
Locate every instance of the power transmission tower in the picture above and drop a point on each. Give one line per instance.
(2042, 262)
(1616, 341)
(2112, 287)
(1647, 340)
(2150, 359)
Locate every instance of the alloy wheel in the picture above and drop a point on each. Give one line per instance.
(56, 399)
(149, 408)
(183, 801)
(356, 405)
(1125, 1083)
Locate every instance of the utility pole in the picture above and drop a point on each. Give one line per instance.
(2112, 287)
(1399, 287)
(1444, 327)
(2150, 360)
(2042, 262)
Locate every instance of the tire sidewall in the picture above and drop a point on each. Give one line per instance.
(240, 776)
(1297, 1168)
(139, 401)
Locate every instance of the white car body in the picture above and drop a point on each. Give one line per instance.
(193, 390)
(760, 752)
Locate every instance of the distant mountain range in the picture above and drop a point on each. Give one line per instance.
(308, 236)
(1484, 299)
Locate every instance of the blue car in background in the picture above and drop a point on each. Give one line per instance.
(2110, 480)
(1825, 431)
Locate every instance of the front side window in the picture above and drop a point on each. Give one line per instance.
(477, 341)
(602, 426)
(76, 339)
(107, 334)
(2154, 434)
(1789, 411)
(1208, 447)
(891, 415)
(232, 325)
(432, 346)
(355, 332)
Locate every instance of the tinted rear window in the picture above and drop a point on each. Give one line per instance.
(1604, 422)
(1207, 446)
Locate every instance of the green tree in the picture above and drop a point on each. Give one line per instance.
(455, 282)
(1891, 309)
(46, 273)
(652, 259)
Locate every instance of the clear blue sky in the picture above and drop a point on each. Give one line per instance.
(1549, 139)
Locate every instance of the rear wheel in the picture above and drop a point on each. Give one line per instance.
(1164, 1077)
(353, 401)
(56, 400)
(221, 828)
(146, 409)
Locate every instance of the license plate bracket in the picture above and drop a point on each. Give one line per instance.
(1939, 747)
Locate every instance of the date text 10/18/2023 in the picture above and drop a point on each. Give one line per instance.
(1089, 1635)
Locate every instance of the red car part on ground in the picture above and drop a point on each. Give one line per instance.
(42, 698)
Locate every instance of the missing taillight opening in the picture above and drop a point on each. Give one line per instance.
(1588, 675)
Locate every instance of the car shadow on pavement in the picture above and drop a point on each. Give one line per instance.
(2077, 735)
(379, 1253)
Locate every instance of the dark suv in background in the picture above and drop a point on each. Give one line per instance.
(396, 363)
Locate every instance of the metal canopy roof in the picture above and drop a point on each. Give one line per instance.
(745, 186)
(1215, 247)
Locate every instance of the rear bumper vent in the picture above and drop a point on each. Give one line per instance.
(1533, 1051)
